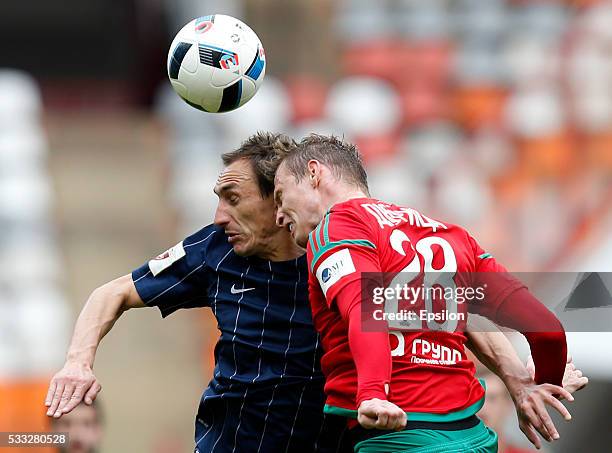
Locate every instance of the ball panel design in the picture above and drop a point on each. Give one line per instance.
(194, 105)
(231, 97)
(177, 59)
(180, 89)
(257, 66)
(248, 90)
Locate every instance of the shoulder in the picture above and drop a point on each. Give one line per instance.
(356, 209)
(202, 239)
(344, 226)
(347, 218)
(210, 243)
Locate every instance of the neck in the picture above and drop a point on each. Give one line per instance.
(282, 247)
(342, 193)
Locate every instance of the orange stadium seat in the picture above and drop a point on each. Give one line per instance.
(598, 151)
(475, 106)
(549, 157)
(22, 408)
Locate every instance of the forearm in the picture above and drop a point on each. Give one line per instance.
(372, 356)
(497, 353)
(104, 306)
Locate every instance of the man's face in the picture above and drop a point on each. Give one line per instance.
(298, 205)
(247, 218)
(83, 428)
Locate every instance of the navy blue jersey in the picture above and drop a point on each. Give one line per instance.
(267, 379)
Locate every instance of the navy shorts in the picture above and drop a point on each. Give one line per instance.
(227, 425)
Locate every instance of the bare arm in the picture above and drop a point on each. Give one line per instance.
(76, 382)
(494, 350)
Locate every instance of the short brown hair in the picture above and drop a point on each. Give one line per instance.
(341, 157)
(265, 151)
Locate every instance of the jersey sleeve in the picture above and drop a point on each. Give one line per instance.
(340, 250)
(176, 278)
(495, 278)
(509, 303)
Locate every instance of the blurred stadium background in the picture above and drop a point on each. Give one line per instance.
(494, 114)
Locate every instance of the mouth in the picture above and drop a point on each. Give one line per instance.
(232, 237)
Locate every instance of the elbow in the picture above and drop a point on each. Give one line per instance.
(114, 294)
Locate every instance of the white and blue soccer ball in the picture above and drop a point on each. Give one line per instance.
(216, 63)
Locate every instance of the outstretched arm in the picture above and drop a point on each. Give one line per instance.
(494, 350)
(76, 382)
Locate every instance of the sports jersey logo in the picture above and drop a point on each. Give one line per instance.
(168, 258)
(163, 256)
(326, 274)
(235, 290)
(333, 268)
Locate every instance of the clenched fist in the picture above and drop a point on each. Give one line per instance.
(381, 414)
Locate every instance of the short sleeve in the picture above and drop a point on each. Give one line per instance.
(176, 278)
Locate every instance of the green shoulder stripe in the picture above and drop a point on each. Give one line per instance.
(330, 245)
(317, 235)
(326, 219)
(312, 243)
(485, 256)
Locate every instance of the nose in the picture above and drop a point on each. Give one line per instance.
(221, 217)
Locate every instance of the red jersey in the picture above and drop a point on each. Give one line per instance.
(429, 371)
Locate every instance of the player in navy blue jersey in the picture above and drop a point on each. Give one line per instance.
(266, 393)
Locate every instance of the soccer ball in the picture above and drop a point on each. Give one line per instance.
(216, 63)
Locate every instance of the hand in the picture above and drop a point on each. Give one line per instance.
(573, 380)
(71, 385)
(381, 414)
(531, 410)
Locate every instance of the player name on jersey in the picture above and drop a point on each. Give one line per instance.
(392, 217)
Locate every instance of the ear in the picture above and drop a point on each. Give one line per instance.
(314, 172)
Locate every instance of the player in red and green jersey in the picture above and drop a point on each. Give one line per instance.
(380, 376)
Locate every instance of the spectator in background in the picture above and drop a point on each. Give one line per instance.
(84, 426)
